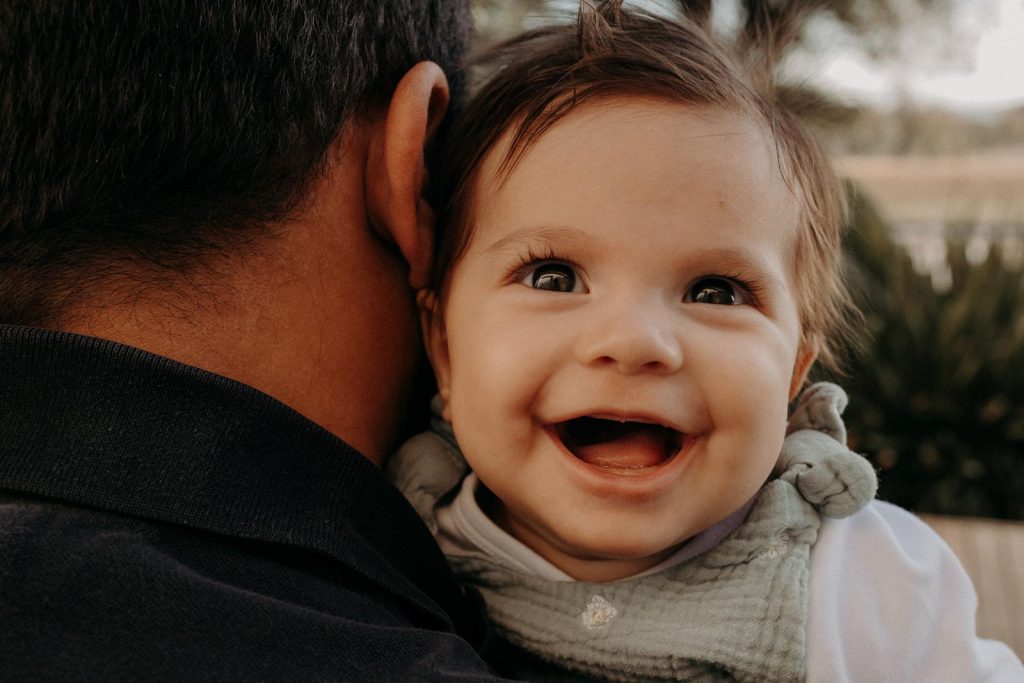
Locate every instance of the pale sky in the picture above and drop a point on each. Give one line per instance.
(986, 74)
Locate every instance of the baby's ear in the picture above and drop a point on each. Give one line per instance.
(436, 342)
(805, 358)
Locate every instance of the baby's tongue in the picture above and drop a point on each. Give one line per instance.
(631, 447)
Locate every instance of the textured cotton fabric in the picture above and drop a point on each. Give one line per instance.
(159, 522)
(736, 612)
(886, 599)
(732, 606)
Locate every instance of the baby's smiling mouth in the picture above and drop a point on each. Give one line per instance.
(618, 444)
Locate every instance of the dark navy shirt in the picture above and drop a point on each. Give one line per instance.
(161, 522)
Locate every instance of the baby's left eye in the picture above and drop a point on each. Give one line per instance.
(715, 290)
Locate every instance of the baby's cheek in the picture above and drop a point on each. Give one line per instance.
(511, 358)
(761, 375)
(485, 385)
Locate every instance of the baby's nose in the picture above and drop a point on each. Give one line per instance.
(633, 342)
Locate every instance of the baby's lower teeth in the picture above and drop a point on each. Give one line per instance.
(609, 466)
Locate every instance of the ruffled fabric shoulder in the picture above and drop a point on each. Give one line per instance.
(814, 459)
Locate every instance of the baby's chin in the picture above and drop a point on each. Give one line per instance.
(602, 545)
(612, 566)
(605, 555)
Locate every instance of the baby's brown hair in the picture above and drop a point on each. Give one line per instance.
(610, 51)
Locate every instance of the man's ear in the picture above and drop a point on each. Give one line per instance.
(805, 358)
(396, 171)
(436, 342)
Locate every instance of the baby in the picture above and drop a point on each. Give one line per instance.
(638, 266)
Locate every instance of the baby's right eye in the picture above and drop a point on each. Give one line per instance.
(553, 277)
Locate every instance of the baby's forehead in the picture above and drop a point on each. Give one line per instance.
(594, 143)
(636, 168)
(595, 126)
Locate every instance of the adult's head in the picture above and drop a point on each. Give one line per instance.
(204, 180)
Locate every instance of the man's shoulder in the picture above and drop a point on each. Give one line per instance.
(90, 567)
(46, 541)
(97, 594)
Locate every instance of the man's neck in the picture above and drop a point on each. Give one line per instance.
(318, 316)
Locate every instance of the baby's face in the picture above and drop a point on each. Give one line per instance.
(621, 337)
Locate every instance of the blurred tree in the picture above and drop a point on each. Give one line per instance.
(765, 30)
(876, 23)
(937, 396)
(917, 131)
(497, 20)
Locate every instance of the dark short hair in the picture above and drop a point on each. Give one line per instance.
(149, 133)
(611, 51)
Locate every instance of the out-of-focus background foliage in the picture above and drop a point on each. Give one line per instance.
(936, 247)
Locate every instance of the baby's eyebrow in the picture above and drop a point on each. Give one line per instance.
(544, 234)
(739, 260)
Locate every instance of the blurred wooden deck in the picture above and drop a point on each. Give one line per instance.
(992, 552)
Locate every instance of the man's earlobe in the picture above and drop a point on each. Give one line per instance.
(396, 171)
(436, 342)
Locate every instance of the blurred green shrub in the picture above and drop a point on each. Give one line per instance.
(937, 394)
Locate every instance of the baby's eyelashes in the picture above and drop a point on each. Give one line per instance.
(552, 273)
(548, 271)
(725, 290)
